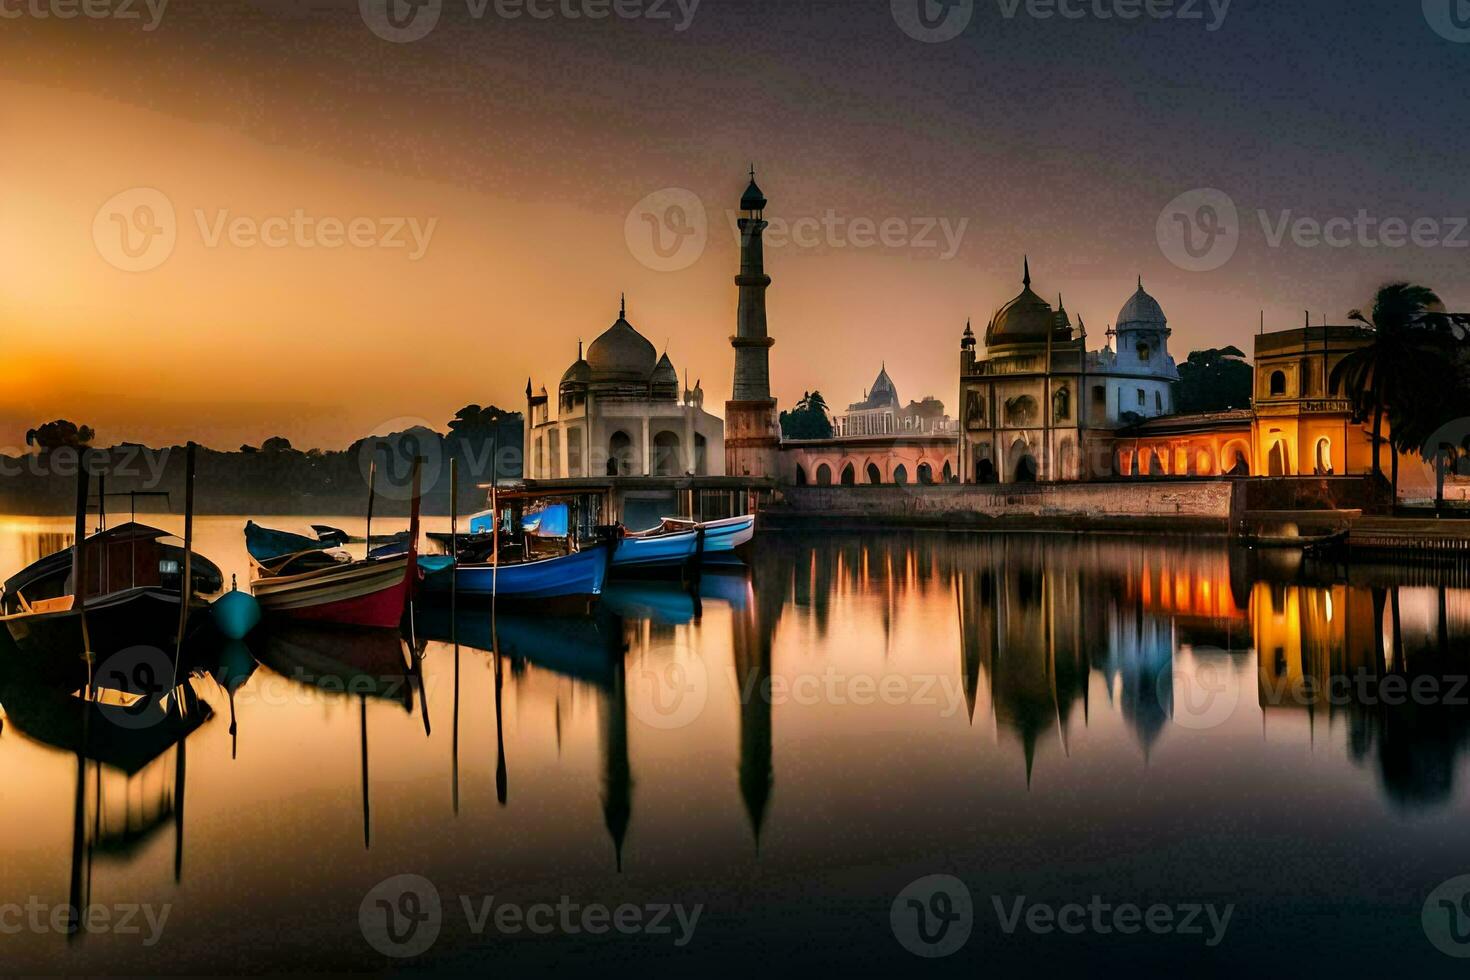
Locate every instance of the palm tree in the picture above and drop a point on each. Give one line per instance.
(1378, 376)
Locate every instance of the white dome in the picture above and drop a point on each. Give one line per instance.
(1141, 310)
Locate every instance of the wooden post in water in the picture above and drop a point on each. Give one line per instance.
(454, 624)
(372, 486)
(186, 580)
(79, 563)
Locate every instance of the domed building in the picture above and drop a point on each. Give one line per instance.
(1035, 401)
(620, 411)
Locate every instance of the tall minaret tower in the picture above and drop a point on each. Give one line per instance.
(752, 440)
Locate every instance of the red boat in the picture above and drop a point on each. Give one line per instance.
(326, 585)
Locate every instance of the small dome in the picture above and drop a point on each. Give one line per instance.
(579, 373)
(664, 372)
(621, 354)
(753, 200)
(1027, 319)
(1142, 310)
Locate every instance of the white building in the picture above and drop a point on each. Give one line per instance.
(1037, 399)
(881, 413)
(620, 412)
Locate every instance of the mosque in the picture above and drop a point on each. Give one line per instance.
(621, 412)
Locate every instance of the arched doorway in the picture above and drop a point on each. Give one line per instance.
(800, 476)
(1025, 471)
(985, 471)
(1324, 456)
(875, 475)
(666, 455)
(901, 475)
(948, 472)
(824, 475)
(926, 474)
(620, 454)
(1276, 463)
(849, 476)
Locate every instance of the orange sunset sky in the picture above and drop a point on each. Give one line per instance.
(527, 144)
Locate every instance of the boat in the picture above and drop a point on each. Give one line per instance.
(132, 595)
(579, 574)
(328, 585)
(265, 543)
(720, 542)
(333, 588)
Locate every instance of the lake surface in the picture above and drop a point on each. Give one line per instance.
(770, 773)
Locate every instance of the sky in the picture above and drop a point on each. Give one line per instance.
(231, 219)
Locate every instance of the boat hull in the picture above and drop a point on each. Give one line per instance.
(51, 643)
(360, 593)
(655, 550)
(578, 575)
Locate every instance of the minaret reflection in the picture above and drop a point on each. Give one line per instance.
(753, 621)
(617, 769)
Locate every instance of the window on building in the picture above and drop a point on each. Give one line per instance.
(701, 455)
(553, 440)
(1278, 382)
(1142, 400)
(574, 451)
(1158, 401)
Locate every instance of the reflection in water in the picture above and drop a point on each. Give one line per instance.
(1067, 658)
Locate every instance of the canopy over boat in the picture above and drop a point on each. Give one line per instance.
(125, 556)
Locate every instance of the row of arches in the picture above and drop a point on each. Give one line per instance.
(668, 455)
(1195, 458)
(869, 473)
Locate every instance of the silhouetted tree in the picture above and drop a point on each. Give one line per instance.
(1383, 373)
(1214, 380)
(808, 420)
(54, 435)
(276, 444)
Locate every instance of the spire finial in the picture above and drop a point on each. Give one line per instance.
(1140, 282)
(1060, 305)
(579, 349)
(1026, 279)
(752, 171)
(623, 307)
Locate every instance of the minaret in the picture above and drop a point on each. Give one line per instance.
(752, 441)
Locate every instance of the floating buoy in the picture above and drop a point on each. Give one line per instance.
(235, 613)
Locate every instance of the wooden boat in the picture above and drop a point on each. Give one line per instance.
(266, 543)
(132, 595)
(329, 586)
(579, 574)
(321, 586)
(720, 542)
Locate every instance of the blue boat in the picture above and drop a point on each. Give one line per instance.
(656, 548)
(576, 575)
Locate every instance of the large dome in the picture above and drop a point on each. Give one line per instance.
(1024, 320)
(1142, 310)
(621, 354)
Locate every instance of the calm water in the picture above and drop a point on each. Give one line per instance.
(1045, 719)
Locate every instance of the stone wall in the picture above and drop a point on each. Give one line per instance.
(1160, 506)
